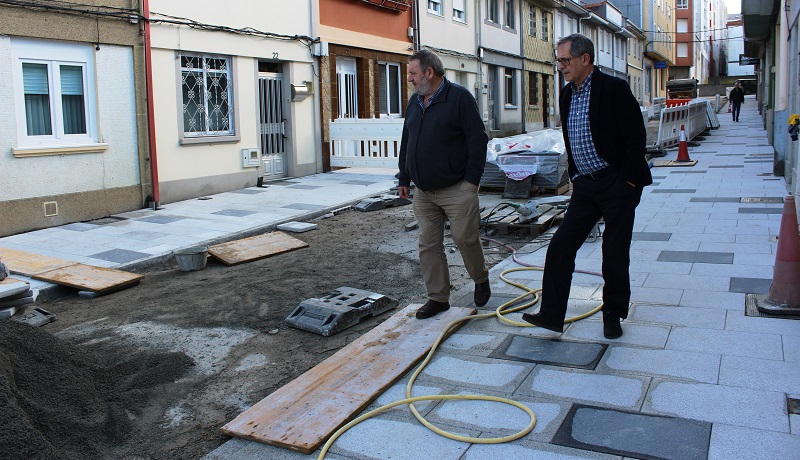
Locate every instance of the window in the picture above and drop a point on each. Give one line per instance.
(435, 7)
(682, 4)
(683, 50)
(509, 11)
(533, 88)
(54, 93)
(492, 13)
(206, 85)
(389, 88)
(346, 82)
(545, 27)
(682, 26)
(532, 22)
(459, 11)
(511, 87)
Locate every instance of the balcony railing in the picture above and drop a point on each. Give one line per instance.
(371, 142)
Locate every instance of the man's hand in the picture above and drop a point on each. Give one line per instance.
(403, 191)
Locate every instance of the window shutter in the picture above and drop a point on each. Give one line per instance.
(71, 80)
(458, 5)
(34, 78)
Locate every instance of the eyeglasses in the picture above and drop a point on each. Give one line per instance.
(563, 62)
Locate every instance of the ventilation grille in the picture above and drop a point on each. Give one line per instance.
(50, 208)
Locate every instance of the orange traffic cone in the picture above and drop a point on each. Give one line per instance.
(683, 149)
(784, 294)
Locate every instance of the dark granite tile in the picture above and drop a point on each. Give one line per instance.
(161, 219)
(674, 190)
(233, 213)
(632, 434)
(651, 236)
(760, 210)
(553, 352)
(696, 257)
(750, 285)
(119, 256)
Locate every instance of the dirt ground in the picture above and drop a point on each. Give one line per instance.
(154, 371)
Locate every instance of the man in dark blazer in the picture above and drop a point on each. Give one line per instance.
(605, 138)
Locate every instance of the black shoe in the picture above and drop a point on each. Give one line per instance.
(538, 320)
(432, 308)
(611, 326)
(482, 293)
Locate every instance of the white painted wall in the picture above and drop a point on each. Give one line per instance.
(22, 178)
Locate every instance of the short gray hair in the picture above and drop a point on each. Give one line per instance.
(578, 45)
(428, 59)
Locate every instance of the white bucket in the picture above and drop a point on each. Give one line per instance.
(190, 259)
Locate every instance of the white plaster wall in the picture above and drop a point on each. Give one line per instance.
(22, 178)
(176, 161)
(444, 33)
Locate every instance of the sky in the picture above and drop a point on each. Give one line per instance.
(733, 6)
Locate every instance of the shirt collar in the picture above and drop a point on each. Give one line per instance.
(586, 85)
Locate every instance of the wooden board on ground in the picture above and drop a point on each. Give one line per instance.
(25, 263)
(90, 278)
(255, 247)
(12, 286)
(673, 163)
(508, 221)
(305, 412)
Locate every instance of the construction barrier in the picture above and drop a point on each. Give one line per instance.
(693, 116)
(713, 121)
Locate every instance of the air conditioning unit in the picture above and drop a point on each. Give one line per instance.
(251, 158)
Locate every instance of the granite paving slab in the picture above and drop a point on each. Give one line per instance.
(554, 352)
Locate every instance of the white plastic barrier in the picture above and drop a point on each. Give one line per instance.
(692, 115)
(713, 121)
(366, 142)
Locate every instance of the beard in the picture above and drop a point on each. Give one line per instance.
(423, 88)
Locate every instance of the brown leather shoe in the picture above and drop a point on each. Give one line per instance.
(432, 308)
(483, 291)
(538, 320)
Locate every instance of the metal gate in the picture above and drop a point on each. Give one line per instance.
(272, 125)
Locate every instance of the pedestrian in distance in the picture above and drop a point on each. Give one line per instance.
(736, 99)
(443, 151)
(605, 137)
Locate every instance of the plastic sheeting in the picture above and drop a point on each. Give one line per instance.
(523, 155)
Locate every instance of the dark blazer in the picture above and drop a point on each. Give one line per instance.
(737, 95)
(617, 127)
(444, 145)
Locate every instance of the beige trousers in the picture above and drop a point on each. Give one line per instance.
(459, 204)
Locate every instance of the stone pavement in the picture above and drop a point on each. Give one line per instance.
(693, 376)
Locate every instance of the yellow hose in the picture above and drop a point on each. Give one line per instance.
(501, 310)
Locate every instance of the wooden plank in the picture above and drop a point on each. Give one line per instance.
(89, 277)
(255, 247)
(672, 163)
(11, 286)
(304, 413)
(28, 264)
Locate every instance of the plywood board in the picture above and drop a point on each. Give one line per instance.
(28, 264)
(305, 412)
(12, 286)
(672, 163)
(255, 247)
(89, 277)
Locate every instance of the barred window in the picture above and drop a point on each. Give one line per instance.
(206, 85)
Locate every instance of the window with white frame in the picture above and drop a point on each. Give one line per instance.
(207, 90)
(510, 80)
(435, 7)
(492, 11)
(389, 88)
(459, 11)
(682, 50)
(682, 4)
(509, 14)
(532, 22)
(545, 32)
(55, 93)
(347, 82)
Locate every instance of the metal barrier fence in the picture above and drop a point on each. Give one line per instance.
(693, 116)
(713, 121)
(371, 142)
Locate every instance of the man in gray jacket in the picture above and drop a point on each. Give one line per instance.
(443, 150)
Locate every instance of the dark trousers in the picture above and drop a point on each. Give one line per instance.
(735, 108)
(615, 200)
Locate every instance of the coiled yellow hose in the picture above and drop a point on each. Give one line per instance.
(499, 313)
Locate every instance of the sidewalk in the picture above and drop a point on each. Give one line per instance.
(689, 353)
(692, 377)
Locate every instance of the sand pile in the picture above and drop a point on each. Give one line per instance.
(59, 400)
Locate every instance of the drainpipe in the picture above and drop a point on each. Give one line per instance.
(415, 25)
(151, 127)
(479, 55)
